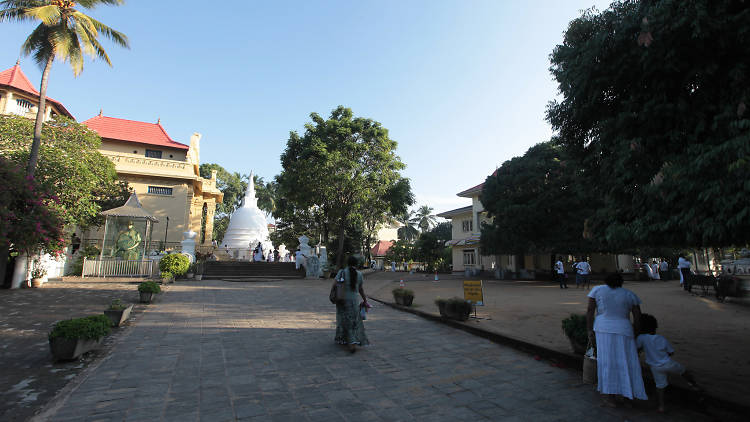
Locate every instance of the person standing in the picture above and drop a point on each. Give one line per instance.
(350, 331)
(684, 266)
(297, 259)
(664, 269)
(560, 271)
(75, 243)
(608, 323)
(583, 270)
(655, 270)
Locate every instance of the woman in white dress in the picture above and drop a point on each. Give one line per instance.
(618, 367)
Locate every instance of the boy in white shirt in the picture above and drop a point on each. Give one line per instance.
(583, 269)
(658, 353)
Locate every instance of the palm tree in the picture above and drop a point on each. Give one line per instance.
(407, 231)
(424, 218)
(64, 33)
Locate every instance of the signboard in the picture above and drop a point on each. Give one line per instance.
(473, 292)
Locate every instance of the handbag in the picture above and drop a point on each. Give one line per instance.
(337, 289)
(589, 364)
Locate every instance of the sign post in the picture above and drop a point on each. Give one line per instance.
(474, 293)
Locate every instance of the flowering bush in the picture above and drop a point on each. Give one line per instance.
(32, 218)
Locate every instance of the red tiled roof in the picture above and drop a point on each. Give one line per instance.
(381, 248)
(132, 131)
(475, 189)
(15, 78)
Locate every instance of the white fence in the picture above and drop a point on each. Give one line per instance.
(118, 268)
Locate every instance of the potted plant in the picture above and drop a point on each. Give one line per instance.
(37, 273)
(575, 329)
(147, 289)
(403, 297)
(166, 277)
(200, 266)
(191, 271)
(71, 338)
(118, 312)
(454, 308)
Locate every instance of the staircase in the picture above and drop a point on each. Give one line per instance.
(250, 271)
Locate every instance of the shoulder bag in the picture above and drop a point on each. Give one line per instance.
(337, 289)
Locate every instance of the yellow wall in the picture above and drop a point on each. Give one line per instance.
(139, 150)
(8, 104)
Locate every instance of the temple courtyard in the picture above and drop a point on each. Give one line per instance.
(222, 351)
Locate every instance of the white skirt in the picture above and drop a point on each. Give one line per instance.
(617, 366)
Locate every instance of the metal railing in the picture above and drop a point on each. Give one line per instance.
(117, 268)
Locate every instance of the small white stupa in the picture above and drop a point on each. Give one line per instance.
(247, 227)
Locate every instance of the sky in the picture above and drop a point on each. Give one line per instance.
(462, 86)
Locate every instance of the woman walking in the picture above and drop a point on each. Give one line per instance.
(350, 330)
(618, 368)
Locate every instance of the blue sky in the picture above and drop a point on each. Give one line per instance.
(462, 86)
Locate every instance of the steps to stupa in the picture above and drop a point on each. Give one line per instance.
(237, 270)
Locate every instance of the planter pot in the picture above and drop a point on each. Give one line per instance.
(146, 297)
(117, 317)
(451, 312)
(189, 275)
(70, 349)
(199, 276)
(404, 300)
(36, 283)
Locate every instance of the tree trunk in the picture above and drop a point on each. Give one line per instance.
(340, 249)
(34, 155)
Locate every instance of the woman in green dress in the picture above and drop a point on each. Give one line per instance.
(350, 330)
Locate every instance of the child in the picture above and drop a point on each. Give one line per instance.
(658, 357)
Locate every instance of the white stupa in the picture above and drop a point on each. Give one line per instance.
(247, 227)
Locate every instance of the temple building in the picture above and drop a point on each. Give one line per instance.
(164, 173)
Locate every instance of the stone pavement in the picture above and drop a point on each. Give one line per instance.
(29, 377)
(709, 337)
(222, 351)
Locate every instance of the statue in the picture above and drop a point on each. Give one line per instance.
(126, 246)
(308, 258)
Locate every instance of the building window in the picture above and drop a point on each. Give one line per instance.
(23, 106)
(469, 257)
(158, 190)
(467, 225)
(152, 153)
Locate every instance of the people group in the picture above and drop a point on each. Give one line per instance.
(618, 340)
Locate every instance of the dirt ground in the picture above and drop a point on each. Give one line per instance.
(709, 337)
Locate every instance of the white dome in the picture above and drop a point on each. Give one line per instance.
(247, 225)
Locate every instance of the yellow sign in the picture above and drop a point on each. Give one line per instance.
(473, 292)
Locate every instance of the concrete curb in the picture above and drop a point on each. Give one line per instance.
(688, 398)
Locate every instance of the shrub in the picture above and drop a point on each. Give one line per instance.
(402, 292)
(574, 327)
(175, 263)
(456, 305)
(117, 305)
(90, 252)
(166, 276)
(149, 287)
(91, 327)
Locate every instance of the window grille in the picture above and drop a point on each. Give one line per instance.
(23, 106)
(159, 190)
(152, 153)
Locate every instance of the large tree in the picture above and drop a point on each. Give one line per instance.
(537, 204)
(64, 33)
(336, 167)
(72, 168)
(655, 108)
(424, 218)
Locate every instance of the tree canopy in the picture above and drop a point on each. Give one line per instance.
(72, 168)
(64, 33)
(337, 168)
(654, 108)
(537, 204)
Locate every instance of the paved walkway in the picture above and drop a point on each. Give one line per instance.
(222, 351)
(29, 378)
(709, 337)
